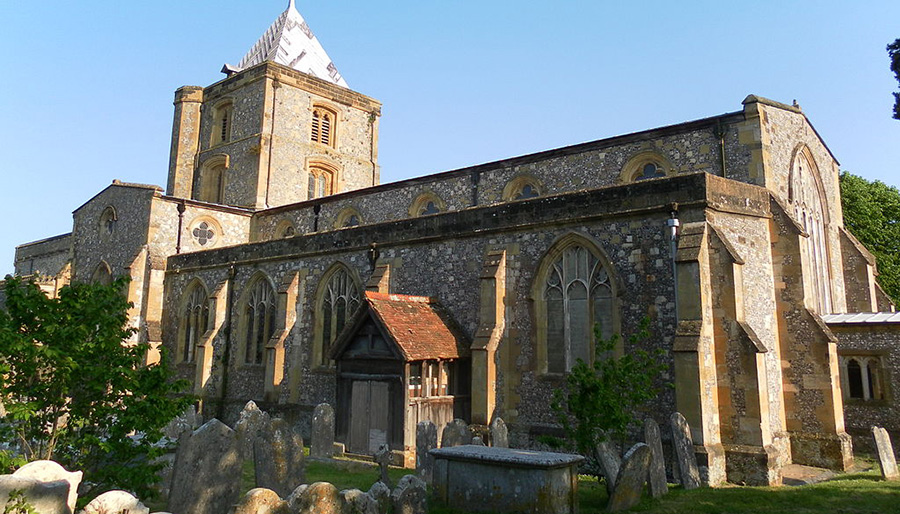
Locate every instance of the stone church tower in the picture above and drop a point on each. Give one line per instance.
(281, 128)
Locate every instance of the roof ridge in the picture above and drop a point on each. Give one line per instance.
(394, 297)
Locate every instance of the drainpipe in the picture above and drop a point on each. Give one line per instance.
(372, 119)
(229, 303)
(181, 209)
(476, 178)
(673, 223)
(275, 86)
(317, 208)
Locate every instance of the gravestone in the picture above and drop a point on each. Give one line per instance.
(409, 497)
(607, 456)
(455, 433)
(206, 477)
(631, 478)
(48, 471)
(322, 444)
(499, 433)
(358, 502)
(188, 421)
(426, 440)
(46, 497)
(656, 476)
(294, 499)
(261, 501)
(382, 496)
(115, 502)
(252, 424)
(318, 498)
(278, 458)
(684, 452)
(886, 457)
(477, 441)
(383, 459)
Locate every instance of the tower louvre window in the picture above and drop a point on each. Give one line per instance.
(221, 132)
(323, 124)
(224, 127)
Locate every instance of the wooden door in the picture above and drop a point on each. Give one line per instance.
(369, 416)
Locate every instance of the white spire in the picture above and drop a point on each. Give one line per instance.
(290, 42)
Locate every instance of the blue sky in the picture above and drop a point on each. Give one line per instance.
(87, 88)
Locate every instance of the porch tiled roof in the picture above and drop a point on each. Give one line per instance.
(419, 326)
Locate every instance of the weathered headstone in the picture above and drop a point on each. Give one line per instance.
(48, 471)
(607, 457)
(383, 459)
(477, 441)
(188, 421)
(294, 499)
(455, 433)
(46, 497)
(426, 440)
(358, 502)
(382, 496)
(261, 501)
(278, 458)
(252, 424)
(631, 478)
(499, 433)
(886, 457)
(207, 472)
(409, 497)
(656, 476)
(318, 498)
(115, 502)
(322, 444)
(684, 451)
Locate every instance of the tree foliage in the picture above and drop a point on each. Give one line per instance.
(872, 214)
(601, 400)
(76, 392)
(893, 50)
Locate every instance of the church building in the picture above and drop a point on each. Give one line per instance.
(275, 267)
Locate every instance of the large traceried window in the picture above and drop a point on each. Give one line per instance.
(576, 293)
(258, 319)
(806, 199)
(338, 300)
(194, 322)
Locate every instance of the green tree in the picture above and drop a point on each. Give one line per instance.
(872, 214)
(76, 391)
(893, 50)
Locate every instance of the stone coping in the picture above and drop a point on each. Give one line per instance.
(507, 456)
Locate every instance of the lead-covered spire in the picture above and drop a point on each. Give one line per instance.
(289, 41)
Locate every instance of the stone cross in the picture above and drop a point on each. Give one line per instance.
(383, 459)
(886, 457)
(657, 470)
(684, 451)
(631, 478)
(426, 440)
(499, 434)
(322, 444)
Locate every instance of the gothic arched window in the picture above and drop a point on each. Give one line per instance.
(193, 323)
(806, 199)
(258, 319)
(522, 187)
(337, 301)
(574, 293)
(102, 274)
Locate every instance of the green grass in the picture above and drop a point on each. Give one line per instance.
(859, 493)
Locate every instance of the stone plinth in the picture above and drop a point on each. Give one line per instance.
(490, 479)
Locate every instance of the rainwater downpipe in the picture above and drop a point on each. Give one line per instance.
(181, 208)
(719, 131)
(275, 86)
(229, 302)
(673, 223)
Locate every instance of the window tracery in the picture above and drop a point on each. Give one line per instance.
(194, 322)
(862, 377)
(576, 292)
(258, 319)
(808, 206)
(338, 301)
(426, 204)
